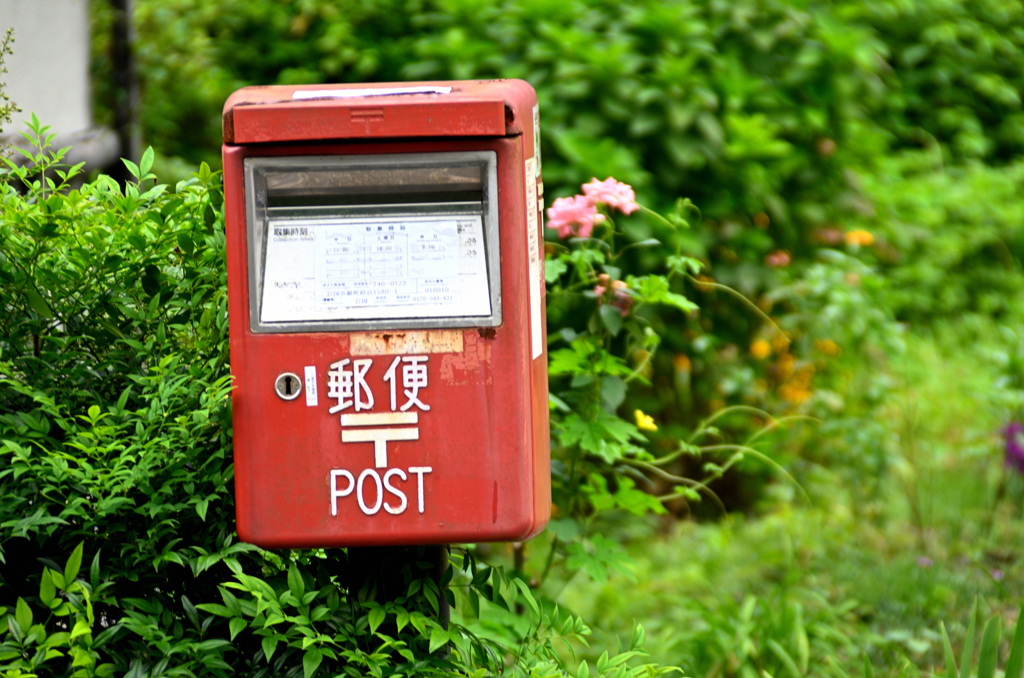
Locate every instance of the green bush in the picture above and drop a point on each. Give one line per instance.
(747, 109)
(761, 112)
(953, 75)
(118, 551)
(950, 237)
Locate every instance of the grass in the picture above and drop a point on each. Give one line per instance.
(815, 588)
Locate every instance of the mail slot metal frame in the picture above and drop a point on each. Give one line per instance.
(375, 206)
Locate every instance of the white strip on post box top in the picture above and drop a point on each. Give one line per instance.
(371, 269)
(366, 92)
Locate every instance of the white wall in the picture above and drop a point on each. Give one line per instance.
(49, 71)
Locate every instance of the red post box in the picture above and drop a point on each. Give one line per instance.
(386, 306)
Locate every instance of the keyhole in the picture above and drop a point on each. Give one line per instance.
(288, 386)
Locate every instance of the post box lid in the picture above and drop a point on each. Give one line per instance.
(289, 113)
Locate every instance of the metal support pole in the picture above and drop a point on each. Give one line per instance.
(126, 85)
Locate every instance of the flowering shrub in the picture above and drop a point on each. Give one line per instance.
(602, 323)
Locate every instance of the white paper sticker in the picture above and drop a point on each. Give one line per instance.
(536, 272)
(536, 139)
(368, 269)
(310, 379)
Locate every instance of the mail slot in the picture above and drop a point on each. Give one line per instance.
(386, 310)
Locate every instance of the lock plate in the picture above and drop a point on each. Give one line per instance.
(288, 386)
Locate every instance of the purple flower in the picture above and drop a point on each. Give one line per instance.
(1014, 445)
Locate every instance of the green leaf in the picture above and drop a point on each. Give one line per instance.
(553, 270)
(401, 618)
(23, 614)
(784, 657)
(684, 265)
(604, 554)
(81, 628)
(236, 626)
(988, 653)
(868, 671)
(311, 661)
(151, 280)
(557, 404)
(295, 583)
(567, 361)
(215, 609)
(951, 670)
(613, 392)
(1015, 663)
(47, 590)
(439, 637)
(14, 628)
(803, 645)
(37, 303)
(527, 594)
(647, 242)
(639, 637)
(133, 169)
(566, 529)
(611, 318)
(186, 244)
(269, 644)
(202, 506)
(376, 618)
(967, 656)
(190, 610)
(655, 289)
(146, 162)
(74, 564)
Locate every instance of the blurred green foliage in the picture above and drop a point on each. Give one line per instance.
(951, 236)
(953, 73)
(854, 162)
(7, 107)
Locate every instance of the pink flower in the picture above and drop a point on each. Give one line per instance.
(778, 259)
(620, 296)
(573, 216)
(615, 194)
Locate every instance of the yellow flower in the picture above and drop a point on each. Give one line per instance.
(859, 237)
(644, 422)
(681, 362)
(828, 347)
(760, 349)
(781, 342)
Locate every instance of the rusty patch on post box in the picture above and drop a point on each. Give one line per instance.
(406, 342)
(471, 366)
